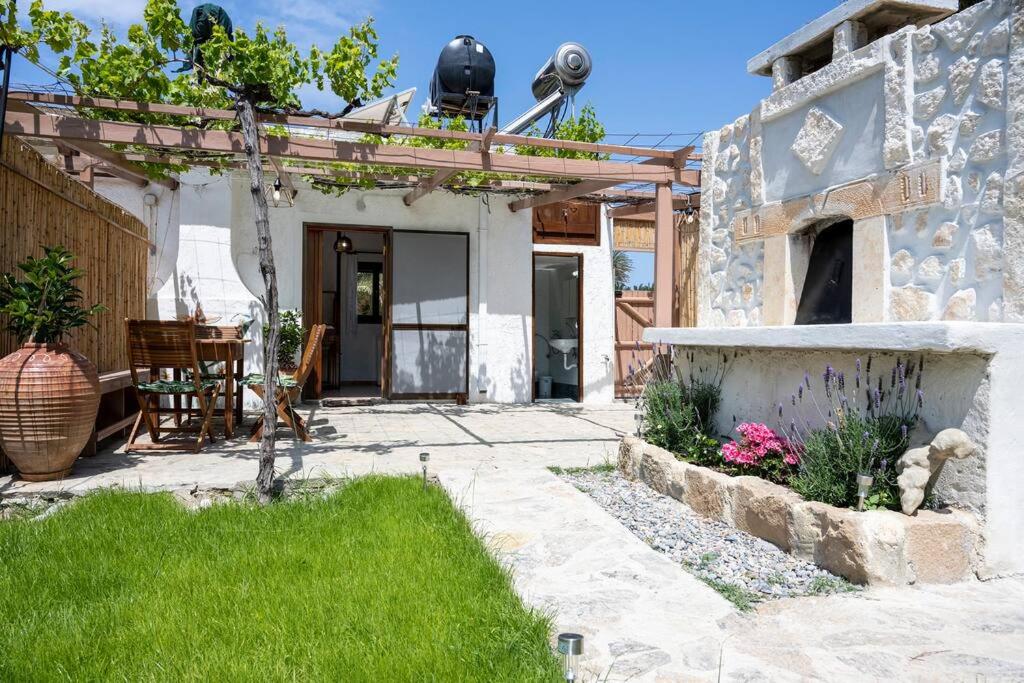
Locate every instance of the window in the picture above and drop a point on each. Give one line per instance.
(369, 293)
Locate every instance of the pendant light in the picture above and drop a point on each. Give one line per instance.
(343, 245)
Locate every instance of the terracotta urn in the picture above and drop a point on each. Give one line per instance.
(49, 396)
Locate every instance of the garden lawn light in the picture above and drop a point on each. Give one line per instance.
(570, 647)
(864, 482)
(424, 458)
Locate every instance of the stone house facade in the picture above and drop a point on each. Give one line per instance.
(911, 126)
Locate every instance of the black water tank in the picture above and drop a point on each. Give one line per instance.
(463, 79)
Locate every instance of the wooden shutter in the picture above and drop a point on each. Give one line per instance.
(574, 223)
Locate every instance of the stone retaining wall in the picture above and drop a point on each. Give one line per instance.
(873, 547)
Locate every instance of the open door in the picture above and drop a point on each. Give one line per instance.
(429, 322)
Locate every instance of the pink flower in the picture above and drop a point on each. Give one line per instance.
(757, 443)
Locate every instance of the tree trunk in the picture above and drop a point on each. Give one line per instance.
(265, 477)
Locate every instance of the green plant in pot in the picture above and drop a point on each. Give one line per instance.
(289, 342)
(49, 394)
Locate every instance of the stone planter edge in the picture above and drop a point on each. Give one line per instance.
(875, 547)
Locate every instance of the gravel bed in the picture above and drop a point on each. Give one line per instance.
(715, 552)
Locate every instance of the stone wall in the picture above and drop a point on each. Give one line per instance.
(920, 132)
(878, 547)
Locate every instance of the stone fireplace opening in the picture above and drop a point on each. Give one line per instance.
(827, 294)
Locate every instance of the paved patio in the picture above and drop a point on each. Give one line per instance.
(378, 438)
(644, 617)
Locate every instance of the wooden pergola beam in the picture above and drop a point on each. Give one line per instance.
(658, 156)
(603, 173)
(683, 177)
(428, 185)
(116, 164)
(664, 245)
(678, 204)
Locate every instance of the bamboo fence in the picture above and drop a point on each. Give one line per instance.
(41, 205)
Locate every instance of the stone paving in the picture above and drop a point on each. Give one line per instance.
(645, 618)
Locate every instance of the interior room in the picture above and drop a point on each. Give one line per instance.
(353, 308)
(557, 327)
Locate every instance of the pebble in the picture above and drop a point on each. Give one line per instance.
(712, 550)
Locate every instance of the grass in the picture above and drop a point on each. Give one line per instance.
(737, 595)
(826, 585)
(379, 581)
(603, 468)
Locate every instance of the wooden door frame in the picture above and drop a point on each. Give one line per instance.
(460, 397)
(579, 320)
(317, 229)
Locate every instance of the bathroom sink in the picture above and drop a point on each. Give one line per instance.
(564, 345)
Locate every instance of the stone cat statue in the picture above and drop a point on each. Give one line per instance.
(918, 465)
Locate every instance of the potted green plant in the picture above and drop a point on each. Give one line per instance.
(289, 342)
(49, 394)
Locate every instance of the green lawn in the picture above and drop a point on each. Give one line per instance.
(380, 582)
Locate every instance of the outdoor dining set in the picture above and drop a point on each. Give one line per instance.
(179, 370)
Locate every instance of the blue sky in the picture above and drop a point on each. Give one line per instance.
(660, 66)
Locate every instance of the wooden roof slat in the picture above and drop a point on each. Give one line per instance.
(659, 156)
(610, 173)
(589, 186)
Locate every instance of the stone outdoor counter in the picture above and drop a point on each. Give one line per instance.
(973, 378)
(878, 547)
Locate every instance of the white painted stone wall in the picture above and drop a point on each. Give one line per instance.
(952, 92)
(210, 259)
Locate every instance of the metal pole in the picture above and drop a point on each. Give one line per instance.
(8, 56)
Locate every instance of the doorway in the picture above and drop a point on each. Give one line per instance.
(557, 327)
(344, 287)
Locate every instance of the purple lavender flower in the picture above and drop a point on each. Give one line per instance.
(841, 378)
(903, 431)
(857, 378)
(858, 365)
(800, 392)
(793, 399)
(780, 410)
(920, 398)
(878, 400)
(807, 379)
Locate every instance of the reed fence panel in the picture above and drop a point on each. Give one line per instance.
(42, 205)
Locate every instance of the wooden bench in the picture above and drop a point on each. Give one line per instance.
(118, 408)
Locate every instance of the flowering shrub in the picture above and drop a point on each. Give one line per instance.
(763, 453)
(858, 426)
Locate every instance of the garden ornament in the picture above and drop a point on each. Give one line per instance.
(918, 465)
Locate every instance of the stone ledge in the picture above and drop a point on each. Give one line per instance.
(877, 547)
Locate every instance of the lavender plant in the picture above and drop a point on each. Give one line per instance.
(677, 407)
(848, 430)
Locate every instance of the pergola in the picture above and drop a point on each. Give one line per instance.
(308, 146)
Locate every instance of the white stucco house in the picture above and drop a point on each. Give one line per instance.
(477, 310)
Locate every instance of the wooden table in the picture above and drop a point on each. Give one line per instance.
(231, 352)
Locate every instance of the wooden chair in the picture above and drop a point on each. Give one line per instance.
(289, 389)
(167, 345)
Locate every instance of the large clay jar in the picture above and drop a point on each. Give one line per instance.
(49, 396)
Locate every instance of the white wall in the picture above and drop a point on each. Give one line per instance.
(216, 264)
